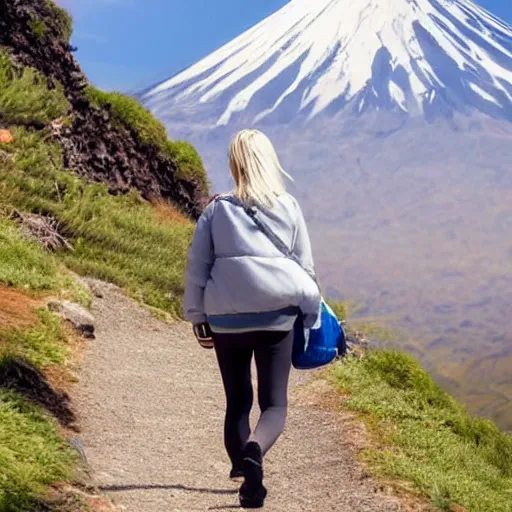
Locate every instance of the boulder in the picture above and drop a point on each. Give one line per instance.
(81, 320)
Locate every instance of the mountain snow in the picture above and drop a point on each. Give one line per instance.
(423, 57)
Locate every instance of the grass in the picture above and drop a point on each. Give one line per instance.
(129, 113)
(24, 265)
(339, 308)
(425, 436)
(119, 239)
(27, 267)
(32, 454)
(25, 97)
(41, 346)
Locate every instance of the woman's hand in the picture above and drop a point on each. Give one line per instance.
(204, 335)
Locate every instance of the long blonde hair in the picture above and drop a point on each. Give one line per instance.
(256, 169)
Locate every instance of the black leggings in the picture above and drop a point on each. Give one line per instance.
(273, 353)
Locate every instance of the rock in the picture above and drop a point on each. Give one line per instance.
(76, 315)
(94, 286)
(100, 288)
(96, 290)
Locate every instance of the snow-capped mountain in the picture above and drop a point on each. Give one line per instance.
(422, 57)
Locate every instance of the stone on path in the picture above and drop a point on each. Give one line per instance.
(82, 321)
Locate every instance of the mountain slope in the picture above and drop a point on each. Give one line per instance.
(425, 57)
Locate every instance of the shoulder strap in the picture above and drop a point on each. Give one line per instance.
(252, 212)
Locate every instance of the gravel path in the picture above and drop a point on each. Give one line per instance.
(151, 407)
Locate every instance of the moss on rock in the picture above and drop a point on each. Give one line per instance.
(60, 19)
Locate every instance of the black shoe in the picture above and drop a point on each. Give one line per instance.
(250, 499)
(236, 472)
(252, 494)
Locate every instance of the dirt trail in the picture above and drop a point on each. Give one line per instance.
(151, 407)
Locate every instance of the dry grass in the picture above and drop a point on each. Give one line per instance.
(166, 213)
(16, 309)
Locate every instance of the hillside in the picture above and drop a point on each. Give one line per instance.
(90, 187)
(77, 171)
(394, 117)
(104, 137)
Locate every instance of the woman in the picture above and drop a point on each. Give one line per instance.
(243, 297)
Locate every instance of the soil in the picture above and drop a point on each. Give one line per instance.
(151, 407)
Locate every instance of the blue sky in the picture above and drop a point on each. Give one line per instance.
(129, 44)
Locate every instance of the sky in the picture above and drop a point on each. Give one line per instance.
(127, 45)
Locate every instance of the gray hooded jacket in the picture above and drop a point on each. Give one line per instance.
(237, 279)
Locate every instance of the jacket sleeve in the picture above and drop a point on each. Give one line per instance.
(311, 304)
(200, 262)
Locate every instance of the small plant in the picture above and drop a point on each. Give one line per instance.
(339, 308)
(38, 27)
(441, 499)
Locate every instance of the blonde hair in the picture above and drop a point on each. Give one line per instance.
(256, 169)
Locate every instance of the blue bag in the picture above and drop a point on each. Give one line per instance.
(320, 345)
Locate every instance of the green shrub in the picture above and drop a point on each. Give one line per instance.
(25, 97)
(129, 113)
(425, 436)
